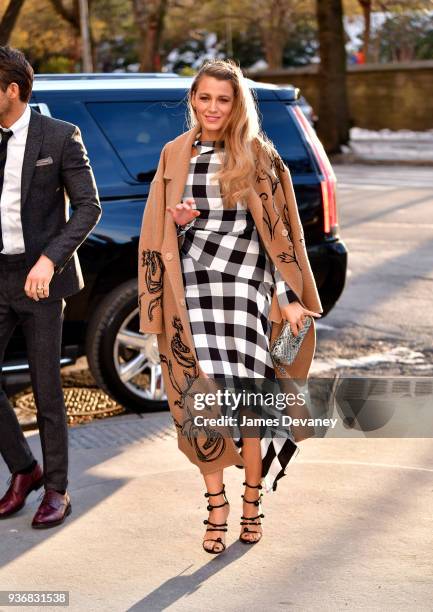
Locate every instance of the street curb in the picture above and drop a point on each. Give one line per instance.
(346, 159)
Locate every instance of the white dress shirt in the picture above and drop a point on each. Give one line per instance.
(10, 202)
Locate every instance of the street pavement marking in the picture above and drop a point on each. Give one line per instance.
(394, 224)
(320, 325)
(398, 354)
(366, 463)
(369, 187)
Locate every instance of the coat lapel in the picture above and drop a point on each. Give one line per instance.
(255, 207)
(31, 153)
(177, 166)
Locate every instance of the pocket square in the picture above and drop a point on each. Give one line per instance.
(44, 161)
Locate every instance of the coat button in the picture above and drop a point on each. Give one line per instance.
(182, 302)
(284, 232)
(169, 256)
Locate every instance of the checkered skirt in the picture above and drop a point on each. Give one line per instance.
(229, 283)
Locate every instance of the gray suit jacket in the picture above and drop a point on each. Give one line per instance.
(56, 170)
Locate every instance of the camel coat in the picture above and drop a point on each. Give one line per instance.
(161, 294)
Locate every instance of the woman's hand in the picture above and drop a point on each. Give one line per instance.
(184, 212)
(295, 314)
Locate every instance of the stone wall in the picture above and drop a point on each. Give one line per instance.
(394, 96)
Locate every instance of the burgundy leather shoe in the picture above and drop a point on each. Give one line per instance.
(21, 485)
(54, 508)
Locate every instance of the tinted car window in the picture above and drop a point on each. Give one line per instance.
(139, 130)
(279, 126)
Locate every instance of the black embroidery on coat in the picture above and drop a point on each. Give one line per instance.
(185, 358)
(261, 174)
(273, 179)
(277, 164)
(285, 257)
(153, 276)
(286, 220)
(212, 448)
(208, 444)
(291, 257)
(267, 219)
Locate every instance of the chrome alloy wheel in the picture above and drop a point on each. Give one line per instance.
(136, 359)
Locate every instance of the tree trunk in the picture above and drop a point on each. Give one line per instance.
(366, 11)
(9, 20)
(273, 25)
(71, 14)
(333, 125)
(86, 41)
(273, 53)
(149, 18)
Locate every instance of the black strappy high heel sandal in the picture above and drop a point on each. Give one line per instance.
(252, 520)
(216, 526)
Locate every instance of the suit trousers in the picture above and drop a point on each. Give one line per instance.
(42, 326)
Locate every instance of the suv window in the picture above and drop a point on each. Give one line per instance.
(139, 130)
(279, 125)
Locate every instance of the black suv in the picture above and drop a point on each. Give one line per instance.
(125, 121)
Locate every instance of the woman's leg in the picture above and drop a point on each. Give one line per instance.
(251, 454)
(214, 484)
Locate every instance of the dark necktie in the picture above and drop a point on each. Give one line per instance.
(4, 137)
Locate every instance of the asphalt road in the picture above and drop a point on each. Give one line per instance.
(384, 320)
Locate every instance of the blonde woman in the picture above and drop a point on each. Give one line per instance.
(222, 264)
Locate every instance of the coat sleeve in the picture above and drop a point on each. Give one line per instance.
(150, 263)
(310, 295)
(284, 294)
(81, 188)
(182, 229)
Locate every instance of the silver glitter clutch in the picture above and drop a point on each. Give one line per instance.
(285, 348)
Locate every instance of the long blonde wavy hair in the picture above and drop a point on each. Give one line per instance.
(244, 141)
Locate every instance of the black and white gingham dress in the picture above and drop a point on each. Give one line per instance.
(229, 282)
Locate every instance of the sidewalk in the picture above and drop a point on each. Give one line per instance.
(349, 528)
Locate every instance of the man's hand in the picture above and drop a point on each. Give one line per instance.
(295, 314)
(38, 279)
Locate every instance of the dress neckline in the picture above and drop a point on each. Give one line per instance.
(208, 143)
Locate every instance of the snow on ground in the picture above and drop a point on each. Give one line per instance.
(357, 133)
(388, 145)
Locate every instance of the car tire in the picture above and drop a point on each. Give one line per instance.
(114, 344)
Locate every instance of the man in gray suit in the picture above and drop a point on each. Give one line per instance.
(41, 160)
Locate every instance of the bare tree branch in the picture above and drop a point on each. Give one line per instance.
(72, 15)
(9, 20)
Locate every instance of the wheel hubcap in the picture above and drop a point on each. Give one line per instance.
(136, 358)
